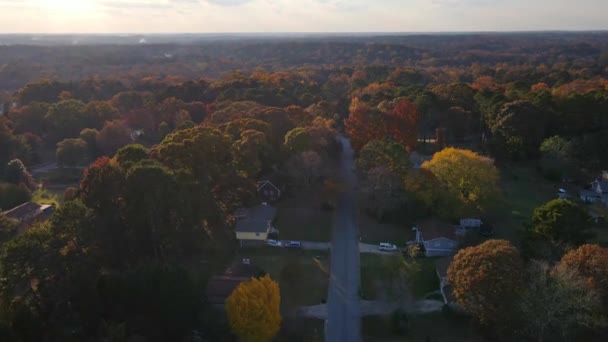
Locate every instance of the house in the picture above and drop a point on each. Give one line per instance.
(271, 188)
(470, 223)
(441, 269)
(220, 287)
(29, 213)
(254, 224)
(597, 193)
(438, 239)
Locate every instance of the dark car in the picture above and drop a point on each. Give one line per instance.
(293, 244)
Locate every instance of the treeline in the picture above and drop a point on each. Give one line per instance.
(21, 64)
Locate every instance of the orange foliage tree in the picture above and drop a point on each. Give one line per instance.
(590, 262)
(487, 280)
(253, 310)
(365, 124)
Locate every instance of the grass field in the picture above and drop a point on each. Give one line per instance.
(375, 232)
(523, 190)
(389, 277)
(301, 218)
(302, 277)
(437, 327)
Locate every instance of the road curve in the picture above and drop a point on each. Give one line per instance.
(344, 312)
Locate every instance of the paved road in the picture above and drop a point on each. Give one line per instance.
(344, 313)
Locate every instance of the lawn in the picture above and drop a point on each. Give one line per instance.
(380, 277)
(302, 218)
(302, 277)
(375, 232)
(436, 327)
(523, 190)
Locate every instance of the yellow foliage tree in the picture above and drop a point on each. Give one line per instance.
(253, 310)
(466, 175)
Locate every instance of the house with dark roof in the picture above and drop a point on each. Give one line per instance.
(271, 188)
(254, 224)
(220, 287)
(29, 213)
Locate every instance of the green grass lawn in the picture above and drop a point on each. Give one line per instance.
(375, 232)
(380, 276)
(437, 327)
(523, 190)
(301, 218)
(302, 277)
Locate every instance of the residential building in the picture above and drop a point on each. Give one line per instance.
(598, 193)
(28, 213)
(254, 224)
(437, 238)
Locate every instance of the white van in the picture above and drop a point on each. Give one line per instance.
(387, 247)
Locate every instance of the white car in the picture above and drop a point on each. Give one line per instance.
(387, 247)
(274, 243)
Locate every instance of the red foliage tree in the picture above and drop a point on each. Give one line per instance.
(402, 124)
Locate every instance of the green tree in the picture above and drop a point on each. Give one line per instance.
(72, 152)
(561, 222)
(66, 119)
(557, 158)
(518, 130)
(253, 310)
(131, 154)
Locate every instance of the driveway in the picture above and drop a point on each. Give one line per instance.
(343, 308)
(373, 249)
(311, 245)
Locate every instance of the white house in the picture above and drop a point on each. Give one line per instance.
(597, 194)
(436, 243)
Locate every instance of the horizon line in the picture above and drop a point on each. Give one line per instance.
(310, 32)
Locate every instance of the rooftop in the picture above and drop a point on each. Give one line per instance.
(255, 219)
(22, 211)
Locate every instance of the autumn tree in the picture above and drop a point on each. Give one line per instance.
(556, 302)
(487, 281)
(591, 263)
(114, 135)
(30, 118)
(361, 125)
(253, 310)
(402, 123)
(466, 175)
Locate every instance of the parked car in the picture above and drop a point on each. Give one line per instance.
(293, 244)
(387, 247)
(274, 243)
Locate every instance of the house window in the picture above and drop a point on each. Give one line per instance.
(257, 234)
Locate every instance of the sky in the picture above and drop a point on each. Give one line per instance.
(214, 16)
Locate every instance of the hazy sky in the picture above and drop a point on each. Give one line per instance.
(146, 16)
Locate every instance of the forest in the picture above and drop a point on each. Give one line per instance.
(156, 145)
